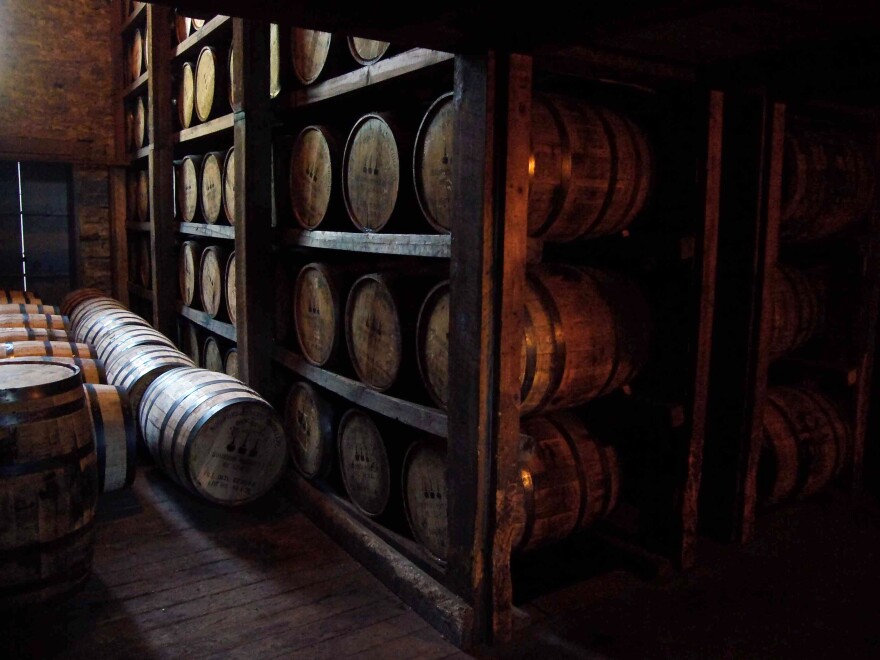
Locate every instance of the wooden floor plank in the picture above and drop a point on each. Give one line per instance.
(357, 640)
(423, 644)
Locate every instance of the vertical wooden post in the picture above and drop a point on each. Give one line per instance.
(118, 235)
(492, 97)
(161, 170)
(253, 204)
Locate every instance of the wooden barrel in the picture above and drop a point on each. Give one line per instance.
(91, 306)
(367, 51)
(213, 435)
(115, 436)
(39, 348)
(136, 54)
(229, 287)
(211, 186)
(48, 483)
(364, 463)
(212, 279)
(19, 297)
(371, 172)
(143, 196)
(828, 183)
(77, 297)
(311, 430)
(31, 334)
(230, 363)
(432, 339)
(187, 271)
(234, 101)
(211, 81)
(212, 358)
(48, 321)
(191, 344)
(586, 333)
(318, 311)
(91, 369)
(432, 163)
(229, 185)
(25, 308)
(186, 89)
(796, 306)
(308, 53)
(109, 325)
(140, 123)
(312, 160)
(380, 318)
(144, 261)
(182, 26)
(145, 365)
(197, 24)
(188, 186)
(807, 442)
(425, 498)
(119, 344)
(274, 61)
(591, 170)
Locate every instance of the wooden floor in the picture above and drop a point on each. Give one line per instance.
(175, 578)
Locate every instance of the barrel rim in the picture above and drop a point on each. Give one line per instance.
(340, 428)
(363, 61)
(53, 388)
(430, 444)
(328, 429)
(230, 267)
(325, 133)
(418, 161)
(306, 80)
(345, 168)
(338, 311)
(349, 304)
(213, 52)
(421, 335)
(206, 159)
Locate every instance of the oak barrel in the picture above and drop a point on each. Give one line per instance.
(143, 196)
(432, 343)
(211, 186)
(229, 185)
(230, 363)
(313, 158)
(229, 287)
(91, 369)
(187, 272)
(39, 348)
(213, 435)
(119, 344)
(371, 170)
(182, 26)
(141, 120)
(48, 321)
(142, 366)
(806, 443)
(115, 436)
(212, 266)
(590, 173)
(186, 89)
(212, 358)
(828, 183)
(136, 54)
(432, 163)
(311, 430)
(211, 81)
(31, 334)
(25, 308)
(318, 311)
(94, 316)
(364, 462)
(570, 481)
(234, 101)
(367, 51)
(191, 344)
(19, 297)
(197, 24)
(109, 324)
(797, 309)
(85, 311)
(188, 186)
(308, 53)
(77, 297)
(49, 484)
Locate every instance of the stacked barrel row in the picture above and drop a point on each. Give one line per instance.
(205, 187)
(211, 433)
(204, 87)
(828, 188)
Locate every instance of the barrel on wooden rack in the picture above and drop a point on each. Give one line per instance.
(145, 365)
(136, 54)
(211, 186)
(197, 24)
(365, 463)
(182, 26)
(24, 308)
(797, 309)
(807, 442)
(47, 321)
(130, 141)
(318, 311)
(19, 297)
(78, 296)
(32, 334)
(313, 159)
(212, 358)
(828, 182)
(309, 51)
(229, 287)
(229, 185)
(212, 280)
(119, 344)
(115, 436)
(49, 484)
(234, 93)
(143, 196)
(38, 348)
(186, 89)
(230, 363)
(590, 173)
(187, 271)
(110, 323)
(211, 81)
(141, 123)
(586, 332)
(213, 435)
(187, 188)
(570, 481)
(310, 422)
(191, 343)
(432, 163)
(91, 369)
(367, 51)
